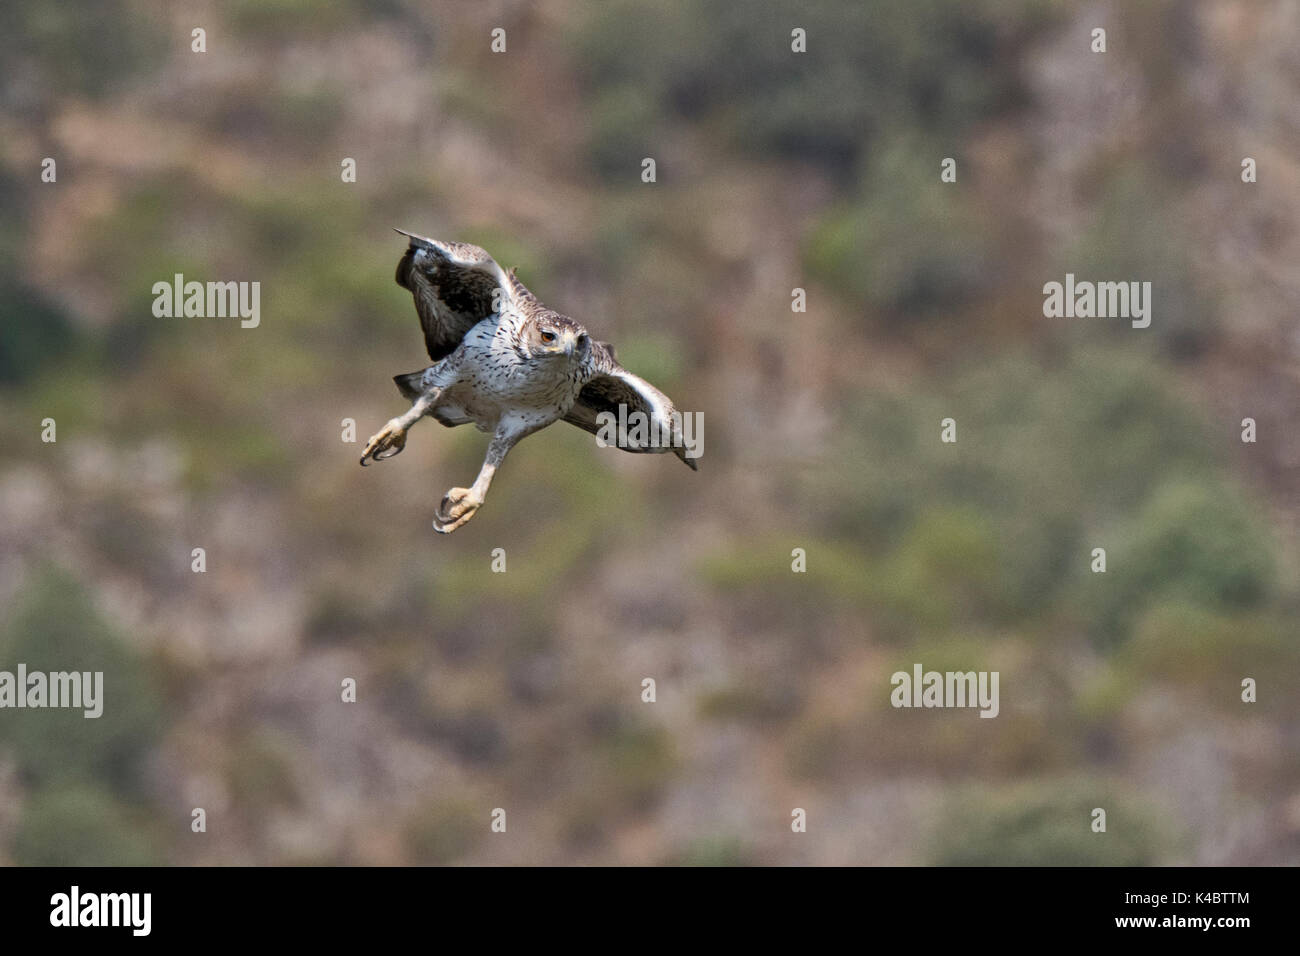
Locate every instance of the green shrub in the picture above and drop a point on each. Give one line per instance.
(1192, 541)
(34, 331)
(1136, 234)
(1052, 459)
(712, 851)
(85, 826)
(444, 831)
(869, 68)
(54, 628)
(1050, 825)
(79, 49)
(906, 244)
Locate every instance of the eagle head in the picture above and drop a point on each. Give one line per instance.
(549, 335)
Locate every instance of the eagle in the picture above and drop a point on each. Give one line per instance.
(511, 366)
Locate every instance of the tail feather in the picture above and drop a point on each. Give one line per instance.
(409, 384)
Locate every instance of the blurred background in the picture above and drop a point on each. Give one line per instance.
(775, 170)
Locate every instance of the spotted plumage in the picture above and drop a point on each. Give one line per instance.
(508, 365)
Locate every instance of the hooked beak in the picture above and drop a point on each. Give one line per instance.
(576, 343)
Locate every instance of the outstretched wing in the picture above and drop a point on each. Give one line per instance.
(614, 386)
(455, 287)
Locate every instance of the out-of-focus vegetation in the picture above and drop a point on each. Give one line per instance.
(1034, 826)
(523, 690)
(51, 52)
(875, 70)
(81, 770)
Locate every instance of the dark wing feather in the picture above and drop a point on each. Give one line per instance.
(612, 386)
(454, 285)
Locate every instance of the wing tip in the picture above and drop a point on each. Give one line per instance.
(417, 241)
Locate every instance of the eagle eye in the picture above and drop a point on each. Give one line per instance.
(548, 336)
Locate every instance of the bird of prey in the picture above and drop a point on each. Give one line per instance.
(511, 366)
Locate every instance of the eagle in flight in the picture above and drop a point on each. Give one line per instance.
(505, 362)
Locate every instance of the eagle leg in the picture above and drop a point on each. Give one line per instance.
(391, 439)
(461, 504)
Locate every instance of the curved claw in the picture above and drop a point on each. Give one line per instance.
(389, 441)
(458, 506)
